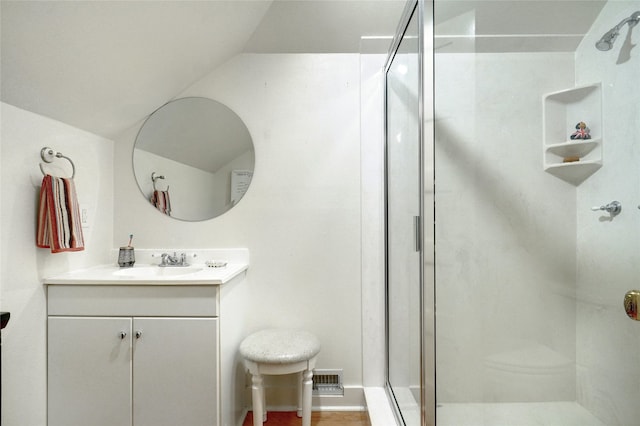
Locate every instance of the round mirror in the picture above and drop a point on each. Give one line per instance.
(193, 159)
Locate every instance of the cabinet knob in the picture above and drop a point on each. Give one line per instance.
(138, 334)
(122, 334)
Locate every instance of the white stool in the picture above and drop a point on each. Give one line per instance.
(280, 352)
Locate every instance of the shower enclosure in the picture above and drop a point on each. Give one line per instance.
(512, 213)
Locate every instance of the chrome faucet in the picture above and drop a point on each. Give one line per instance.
(174, 260)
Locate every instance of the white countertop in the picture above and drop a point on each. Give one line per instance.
(149, 274)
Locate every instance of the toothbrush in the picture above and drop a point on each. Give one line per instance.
(130, 239)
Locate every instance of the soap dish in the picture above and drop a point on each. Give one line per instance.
(215, 263)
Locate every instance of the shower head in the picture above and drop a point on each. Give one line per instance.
(607, 40)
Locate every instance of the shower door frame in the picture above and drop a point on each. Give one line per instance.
(425, 69)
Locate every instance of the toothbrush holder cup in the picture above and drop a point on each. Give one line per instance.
(126, 257)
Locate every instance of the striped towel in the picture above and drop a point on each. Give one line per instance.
(59, 225)
(160, 199)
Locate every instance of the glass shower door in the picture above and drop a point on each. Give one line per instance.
(403, 213)
(531, 329)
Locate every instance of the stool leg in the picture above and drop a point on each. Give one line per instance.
(307, 385)
(300, 379)
(264, 405)
(257, 396)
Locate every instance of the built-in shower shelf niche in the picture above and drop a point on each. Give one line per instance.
(561, 112)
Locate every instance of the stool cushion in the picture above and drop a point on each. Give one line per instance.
(280, 346)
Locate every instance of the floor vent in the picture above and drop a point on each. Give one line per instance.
(328, 382)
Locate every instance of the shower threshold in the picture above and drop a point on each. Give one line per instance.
(515, 414)
(562, 413)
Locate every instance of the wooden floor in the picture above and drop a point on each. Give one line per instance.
(318, 418)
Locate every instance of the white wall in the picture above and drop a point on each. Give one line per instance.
(505, 229)
(24, 265)
(372, 247)
(608, 343)
(300, 218)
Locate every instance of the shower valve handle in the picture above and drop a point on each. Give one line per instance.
(613, 207)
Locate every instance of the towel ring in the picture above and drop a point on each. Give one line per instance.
(154, 178)
(48, 155)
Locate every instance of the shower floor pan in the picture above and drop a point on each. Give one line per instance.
(515, 414)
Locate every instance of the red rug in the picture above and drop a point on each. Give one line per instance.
(276, 418)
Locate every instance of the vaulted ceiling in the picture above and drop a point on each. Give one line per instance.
(103, 66)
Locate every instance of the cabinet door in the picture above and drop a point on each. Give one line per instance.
(89, 371)
(175, 372)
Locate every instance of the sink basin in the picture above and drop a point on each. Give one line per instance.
(156, 271)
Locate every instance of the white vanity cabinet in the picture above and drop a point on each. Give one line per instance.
(89, 371)
(133, 355)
